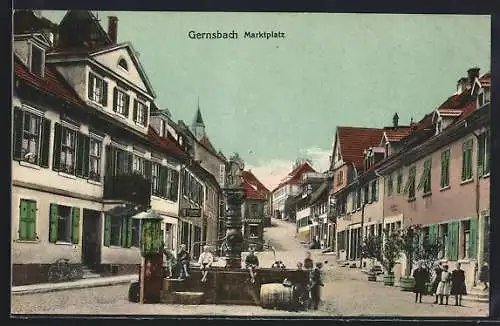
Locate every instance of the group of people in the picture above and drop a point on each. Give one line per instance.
(181, 264)
(443, 283)
(312, 296)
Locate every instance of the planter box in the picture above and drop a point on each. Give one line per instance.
(389, 280)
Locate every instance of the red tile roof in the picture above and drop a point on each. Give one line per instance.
(485, 79)
(252, 192)
(296, 174)
(252, 179)
(354, 140)
(52, 82)
(396, 134)
(168, 144)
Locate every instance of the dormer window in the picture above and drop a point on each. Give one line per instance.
(123, 64)
(37, 60)
(162, 128)
(98, 89)
(439, 126)
(386, 149)
(140, 112)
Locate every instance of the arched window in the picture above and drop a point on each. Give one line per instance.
(123, 63)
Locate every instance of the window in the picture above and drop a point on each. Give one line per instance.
(483, 155)
(389, 185)
(37, 58)
(116, 228)
(358, 198)
(467, 160)
(140, 112)
(445, 168)
(155, 181)
(64, 224)
(480, 99)
(68, 151)
(138, 165)
(27, 220)
(254, 230)
(410, 184)
(98, 89)
(95, 160)
(386, 149)
(443, 233)
(439, 126)
(31, 138)
(340, 177)
(123, 63)
(425, 179)
(375, 190)
(136, 232)
(162, 128)
(120, 102)
(366, 194)
(399, 182)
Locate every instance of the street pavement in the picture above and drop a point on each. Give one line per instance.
(346, 293)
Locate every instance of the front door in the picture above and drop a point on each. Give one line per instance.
(91, 248)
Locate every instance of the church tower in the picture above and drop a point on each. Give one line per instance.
(198, 126)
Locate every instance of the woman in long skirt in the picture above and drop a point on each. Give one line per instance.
(458, 285)
(436, 278)
(444, 286)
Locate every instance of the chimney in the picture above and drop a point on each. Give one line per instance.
(472, 73)
(395, 120)
(112, 28)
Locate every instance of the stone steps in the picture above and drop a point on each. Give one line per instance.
(89, 273)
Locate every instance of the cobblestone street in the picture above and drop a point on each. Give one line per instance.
(346, 293)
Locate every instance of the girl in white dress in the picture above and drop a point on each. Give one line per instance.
(444, 286)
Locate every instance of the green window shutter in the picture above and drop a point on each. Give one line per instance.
(473, 239)
(104, 93)
(454, 240)
(480, 154)
(376, 190)
(443, 160)
(123, 229)
(129, 232)
(110, 161)
(86, 156)
(432, 234)
(174, 188)
(147, 169)
(54, 216)
(23, 219)
(56, 155)
(75, 221)
(45, 143)
(107, 230)
(447, 172)
(82, 154)
(31, 221)
(115, 99)
(486, 165)
(18, 133)
(134, 111)
(127, 105)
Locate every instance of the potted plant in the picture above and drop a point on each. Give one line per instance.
(391, 254)
(428, 254)
(409, 242)
(372, 249)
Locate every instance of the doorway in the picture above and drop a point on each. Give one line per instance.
(91, 239)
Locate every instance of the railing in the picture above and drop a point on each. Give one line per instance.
(134, 188)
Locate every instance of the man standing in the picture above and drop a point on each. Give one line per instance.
(251, 263)
(206, 260)
(184, 259)
(316, 282)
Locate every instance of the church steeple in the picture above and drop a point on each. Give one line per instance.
(198, 126)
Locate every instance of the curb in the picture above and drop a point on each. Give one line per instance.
(73, 286)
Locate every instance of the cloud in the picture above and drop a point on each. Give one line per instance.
(270, 173)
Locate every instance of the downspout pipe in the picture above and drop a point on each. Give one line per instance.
(478, 197)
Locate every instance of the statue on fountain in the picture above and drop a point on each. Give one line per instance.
(235, 195)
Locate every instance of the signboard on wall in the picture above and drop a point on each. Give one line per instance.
(192, 212)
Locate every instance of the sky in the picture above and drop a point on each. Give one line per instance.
(275, 100)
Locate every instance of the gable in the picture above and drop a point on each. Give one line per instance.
(134, 73)
(337, 154)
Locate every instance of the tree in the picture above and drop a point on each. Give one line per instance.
(409, 244)
(428, 252)
(392, 250)
(372, 248)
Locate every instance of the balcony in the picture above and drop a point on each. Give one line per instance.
(133, 188)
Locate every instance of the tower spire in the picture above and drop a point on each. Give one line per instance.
(198, 126)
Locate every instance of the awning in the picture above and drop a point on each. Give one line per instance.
(126, 210)
(149, 214)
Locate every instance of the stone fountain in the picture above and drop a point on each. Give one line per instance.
(229, 284)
